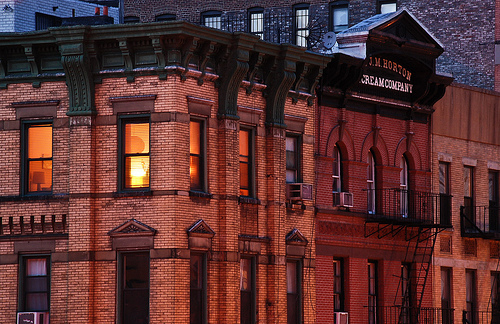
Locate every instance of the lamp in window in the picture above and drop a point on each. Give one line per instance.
(38, 179)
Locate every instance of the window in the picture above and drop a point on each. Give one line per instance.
(470, 295)
(292, 159)
(446, 295)
(247, 180)
(35, 284)
(134, 288)
(256, 19)
(386, 6)
(337, 170)
(198, 304)
(165, 17)
(293, 289)
(134, 161)
(372, 292)
(495, 297)
(43, 21)
(301, 13)
(444, 193)
(197, 154)
(247, 289)
(338, 286)
(371, 184)
(493, 201)
(131, 19)
(37, 152)
(469, 197)
(406, 293)
(212, 19)
(339, 16)
(403, 186)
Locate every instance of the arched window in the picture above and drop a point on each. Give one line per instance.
(337, 170)
(371, 184)
(403, 186)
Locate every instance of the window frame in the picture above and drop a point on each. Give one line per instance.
(404, 185)
(203, 186)
(131, 20)
(25, 160)
(337, 170)
(381, 3)
(495, 295)
(250, 161)
(471, 295)
(446, 289)
(444, 192)
(124, 120)
(301, 29)
(372, 293)
(252, 295)
(121, 280)
(291, 319)
(468, 186)
(338, 279)
(166, 17)
(335, 5)
(201, 309)
(216, 24)
(493, 201)
(22, 299)
(371, 183)
(256, 11)
(298, 159)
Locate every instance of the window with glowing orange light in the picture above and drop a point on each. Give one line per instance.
(246, 163)
(197, 154)
(38, 153)
(135, 148)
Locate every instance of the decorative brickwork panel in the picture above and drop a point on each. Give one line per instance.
(495, 250)
(445, 244)
(470, 247)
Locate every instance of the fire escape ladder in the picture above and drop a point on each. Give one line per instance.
(421, 261)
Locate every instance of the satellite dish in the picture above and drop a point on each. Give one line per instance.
(329, 39)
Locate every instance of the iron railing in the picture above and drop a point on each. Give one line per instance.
(412, 315)
(481, 317)
(480, 221)
(407, 206)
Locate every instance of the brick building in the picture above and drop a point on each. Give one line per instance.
(147, 173)
(466, 160)
(377, 220)
(467, 29)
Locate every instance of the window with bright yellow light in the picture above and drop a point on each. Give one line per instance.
(196, 155)
(39, 158)
(136, 154)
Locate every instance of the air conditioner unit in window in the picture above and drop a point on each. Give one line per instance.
(299, 191)
(340, 318)
(33, 318)
(343, 199)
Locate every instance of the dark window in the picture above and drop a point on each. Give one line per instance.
(337, 170)
(292, 159)
(247, 181)
(256, 22)
(198, 275)
(197, 154)
(339, 16)
(446, 295)
(386, 6)
(493, 201)
(37, 151)
(301, 25)
(470, 295)
(130, 19)
(371, 183)
(134, 288)
(135, 152)
(293, 289)
(247, 289)
(404, 176)
(444, 193)
(35, 284)
(338, 285)
(165, 17)
(212, 19)
(469, 197)
(406, 293)
(495, 297)
(372, 293)
(43, 21)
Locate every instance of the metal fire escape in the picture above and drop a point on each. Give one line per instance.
(421, 216)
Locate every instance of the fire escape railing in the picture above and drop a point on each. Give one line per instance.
(480, 221)
(426, 315)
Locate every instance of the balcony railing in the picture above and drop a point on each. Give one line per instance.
(481, 317)
(33, 225)
(408, 207)
(480, 221)
(412, 315)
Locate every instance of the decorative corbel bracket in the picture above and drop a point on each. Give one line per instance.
(255, 62)
(160, 56)
(187, 52)
(205, 54)
(127, 58)
(30, 56)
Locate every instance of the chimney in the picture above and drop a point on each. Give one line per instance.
(105, 11)
(97, 11)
